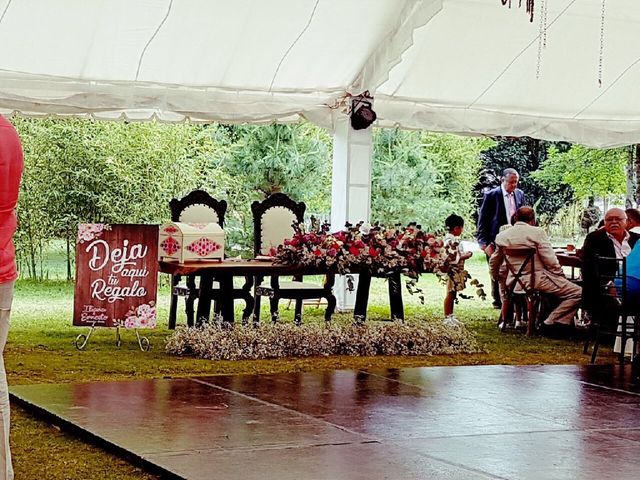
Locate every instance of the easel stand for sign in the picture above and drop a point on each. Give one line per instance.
(82, 339)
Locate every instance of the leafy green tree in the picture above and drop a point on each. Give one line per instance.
(589, 172)
(423, 177)
(256, 161)
(86, 171)
(526, 155)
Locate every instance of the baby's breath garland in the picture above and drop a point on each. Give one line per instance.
(282, 340)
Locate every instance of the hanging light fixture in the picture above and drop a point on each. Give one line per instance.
(542, 37)
(362, 114)
(529, 4)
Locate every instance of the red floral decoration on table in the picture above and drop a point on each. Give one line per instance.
(376, 248)
(380, 250)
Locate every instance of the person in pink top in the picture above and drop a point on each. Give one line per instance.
(11, 165)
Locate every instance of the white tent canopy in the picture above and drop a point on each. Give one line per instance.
(464, 66)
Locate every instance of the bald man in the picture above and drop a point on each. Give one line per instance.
(549, 277)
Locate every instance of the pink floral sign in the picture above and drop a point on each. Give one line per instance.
(116, 276)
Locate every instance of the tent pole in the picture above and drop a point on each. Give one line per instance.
(351, 190)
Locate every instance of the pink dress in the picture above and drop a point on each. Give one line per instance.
(11, 165)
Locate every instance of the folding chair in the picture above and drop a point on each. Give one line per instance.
(520, 263)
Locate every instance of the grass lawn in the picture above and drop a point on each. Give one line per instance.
(40, 350)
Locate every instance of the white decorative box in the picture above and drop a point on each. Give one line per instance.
(186, 242)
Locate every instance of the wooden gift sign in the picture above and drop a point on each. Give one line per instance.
(116, 276)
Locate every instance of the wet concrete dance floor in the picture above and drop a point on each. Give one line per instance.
(541, 422)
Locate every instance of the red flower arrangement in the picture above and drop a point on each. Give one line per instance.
(376, 248)
(380, 250)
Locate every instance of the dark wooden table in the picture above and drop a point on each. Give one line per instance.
(223, 273)
(570, 260)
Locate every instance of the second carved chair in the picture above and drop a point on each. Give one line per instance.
(273, 220)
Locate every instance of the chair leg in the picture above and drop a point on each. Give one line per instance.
(635, 366)
(590, 336)
(190, 310)
(622, 322)
(595, 351)
(298, 312)
(331, 307)
(249, 303)
(173, 307)
(256, 310)
(596, 343)
(191, 300)
(273, 302)
(531, 317)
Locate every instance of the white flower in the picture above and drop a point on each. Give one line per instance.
(365, 228)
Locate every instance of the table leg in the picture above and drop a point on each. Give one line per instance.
(204, 300)
(362, 298)
(226, 297)
(395, 297)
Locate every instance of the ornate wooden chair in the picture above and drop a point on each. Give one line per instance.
(272, 220)
(200, 207)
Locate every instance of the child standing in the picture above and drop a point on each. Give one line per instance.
(455, 226)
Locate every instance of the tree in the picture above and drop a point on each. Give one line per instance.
(256, 161)
(589, 172)
(423, 177)
(274, 158)
(87, 171)
(526, 155)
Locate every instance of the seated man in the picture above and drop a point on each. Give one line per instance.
(633, 219)
(549, 277)
(613, 240)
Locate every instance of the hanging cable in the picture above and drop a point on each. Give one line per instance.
(524, 49)
(623, 73)
(144, 50)
(313, 12)
(4, 12)
(601, 54)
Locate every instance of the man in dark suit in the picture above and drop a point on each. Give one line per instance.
(498, 207)
(613, 240)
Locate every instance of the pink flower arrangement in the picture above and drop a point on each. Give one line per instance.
(90, 231)
(377, 248)
(143, 316)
